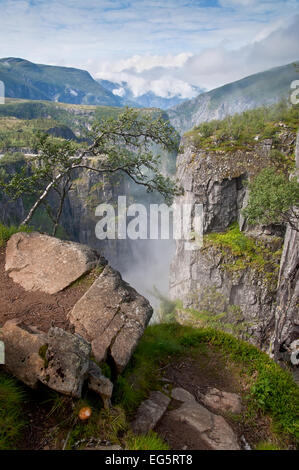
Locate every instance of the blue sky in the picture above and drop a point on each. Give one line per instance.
(160, 45)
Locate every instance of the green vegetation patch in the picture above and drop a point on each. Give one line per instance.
(246, 251)
(11, 418)
(246, 129)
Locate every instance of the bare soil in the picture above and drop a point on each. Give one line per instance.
(35, 308)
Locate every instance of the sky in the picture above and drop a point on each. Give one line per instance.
(164, 46)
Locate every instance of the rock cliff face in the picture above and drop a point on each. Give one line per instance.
(287, 312)
(218, 271)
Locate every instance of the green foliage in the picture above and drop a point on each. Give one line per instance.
(272, 197)
(266, 446)
(235, 132)
(150, 441)
(7, 232)
(103, 424)
(119, 145)
(246, 251)
(11, 419)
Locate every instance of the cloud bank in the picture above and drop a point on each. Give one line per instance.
(164, 46)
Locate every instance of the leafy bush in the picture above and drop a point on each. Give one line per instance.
(271, 198)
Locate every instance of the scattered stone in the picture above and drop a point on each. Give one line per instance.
(218, 400)
(212, 429)
(182, 395)
(22, 346)
(112, 316)
(58, 359)
(246, 446)
(150, 412)
(42, 263)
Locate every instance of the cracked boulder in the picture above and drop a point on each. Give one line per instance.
(42, 263)
(58, 359)
(66, 358)
(112, 316)
(212, 429)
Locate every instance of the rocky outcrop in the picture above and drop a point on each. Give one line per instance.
(215, 180)
(112, 316)
(58, 359)
(286, 312)
(108, 320)
(150, 412)
(41, 263)
(211, 429)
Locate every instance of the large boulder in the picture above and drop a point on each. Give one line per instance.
(39, 262)
(112, 316)
(58, 359)
(212, 429)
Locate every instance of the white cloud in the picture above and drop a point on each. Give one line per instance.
(161, 45)
(168, 76)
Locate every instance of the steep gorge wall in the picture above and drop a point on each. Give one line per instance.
(215, 180)
(287, 303)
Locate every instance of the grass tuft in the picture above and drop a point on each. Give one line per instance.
(11, 421)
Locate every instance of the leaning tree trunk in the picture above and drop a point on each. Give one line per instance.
(287, 312)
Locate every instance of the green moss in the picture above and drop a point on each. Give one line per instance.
(266, 446)
(241, 252)
(241, 130)
(43, 354)
(87, 279)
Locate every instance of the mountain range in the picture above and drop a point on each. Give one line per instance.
(260, 89)
(26, 80)
(145, 100)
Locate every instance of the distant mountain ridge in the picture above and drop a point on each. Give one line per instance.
(146, 100)
(263, 88)
(24, 79)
